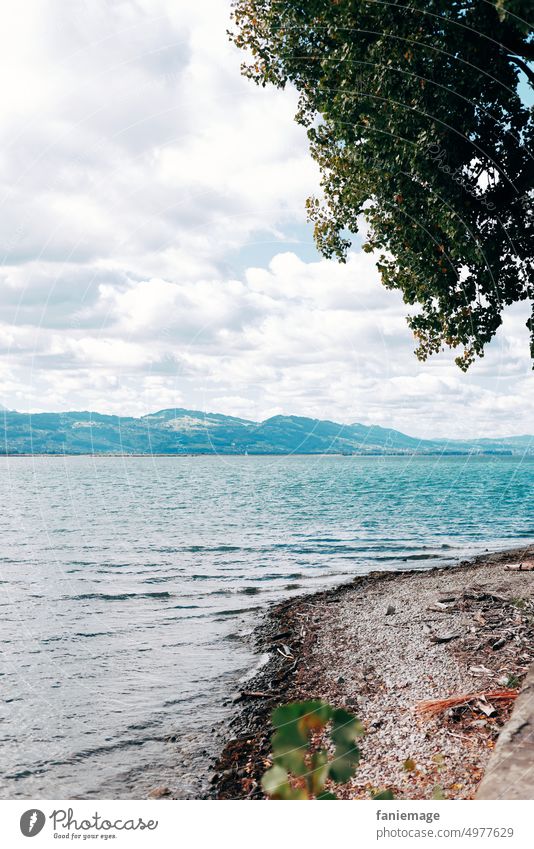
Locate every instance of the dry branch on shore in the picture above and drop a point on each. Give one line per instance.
(433, 707)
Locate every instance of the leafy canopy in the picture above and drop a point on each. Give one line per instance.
(414, 117)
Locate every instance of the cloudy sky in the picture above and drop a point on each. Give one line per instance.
(154, 244)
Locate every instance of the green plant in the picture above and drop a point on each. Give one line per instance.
(513, 681)
(300, 770)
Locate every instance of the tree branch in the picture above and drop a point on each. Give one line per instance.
(527, 70)
(525, 49)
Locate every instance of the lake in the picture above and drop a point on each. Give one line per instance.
(128, 587)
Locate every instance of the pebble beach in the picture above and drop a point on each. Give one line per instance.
(382, 645)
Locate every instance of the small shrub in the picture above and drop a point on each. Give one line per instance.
(299, 770)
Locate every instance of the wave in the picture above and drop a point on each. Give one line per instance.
(116, 596)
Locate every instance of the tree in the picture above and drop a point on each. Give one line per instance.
(415, 117)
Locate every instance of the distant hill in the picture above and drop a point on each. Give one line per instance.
(182, 431)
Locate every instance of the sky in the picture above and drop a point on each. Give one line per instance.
(155, 251)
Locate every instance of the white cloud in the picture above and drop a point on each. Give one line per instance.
(151, 200)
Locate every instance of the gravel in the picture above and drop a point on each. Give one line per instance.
(378, 646)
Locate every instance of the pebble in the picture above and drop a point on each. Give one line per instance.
(160, 793)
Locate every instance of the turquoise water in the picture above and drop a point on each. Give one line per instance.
(128, 585)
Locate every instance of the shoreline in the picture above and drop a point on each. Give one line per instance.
(149, 454)
(344, 647)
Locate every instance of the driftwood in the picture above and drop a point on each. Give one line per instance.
(256, 694)
(285, 651)
(433, 707)
(520, 567)
(441, 607)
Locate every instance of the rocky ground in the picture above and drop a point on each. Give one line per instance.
(380, 645)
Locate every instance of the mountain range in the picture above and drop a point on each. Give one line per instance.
(180, 431)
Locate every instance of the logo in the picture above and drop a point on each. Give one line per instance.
(32, 822)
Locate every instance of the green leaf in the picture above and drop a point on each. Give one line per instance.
(344, 763)
(345, 727)
(319, 768)
(383, 796)
(286, 714)
(290, 741)
(292, 794)
(292, 761)
(315, 714)
(274, 780)
(292, 755)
